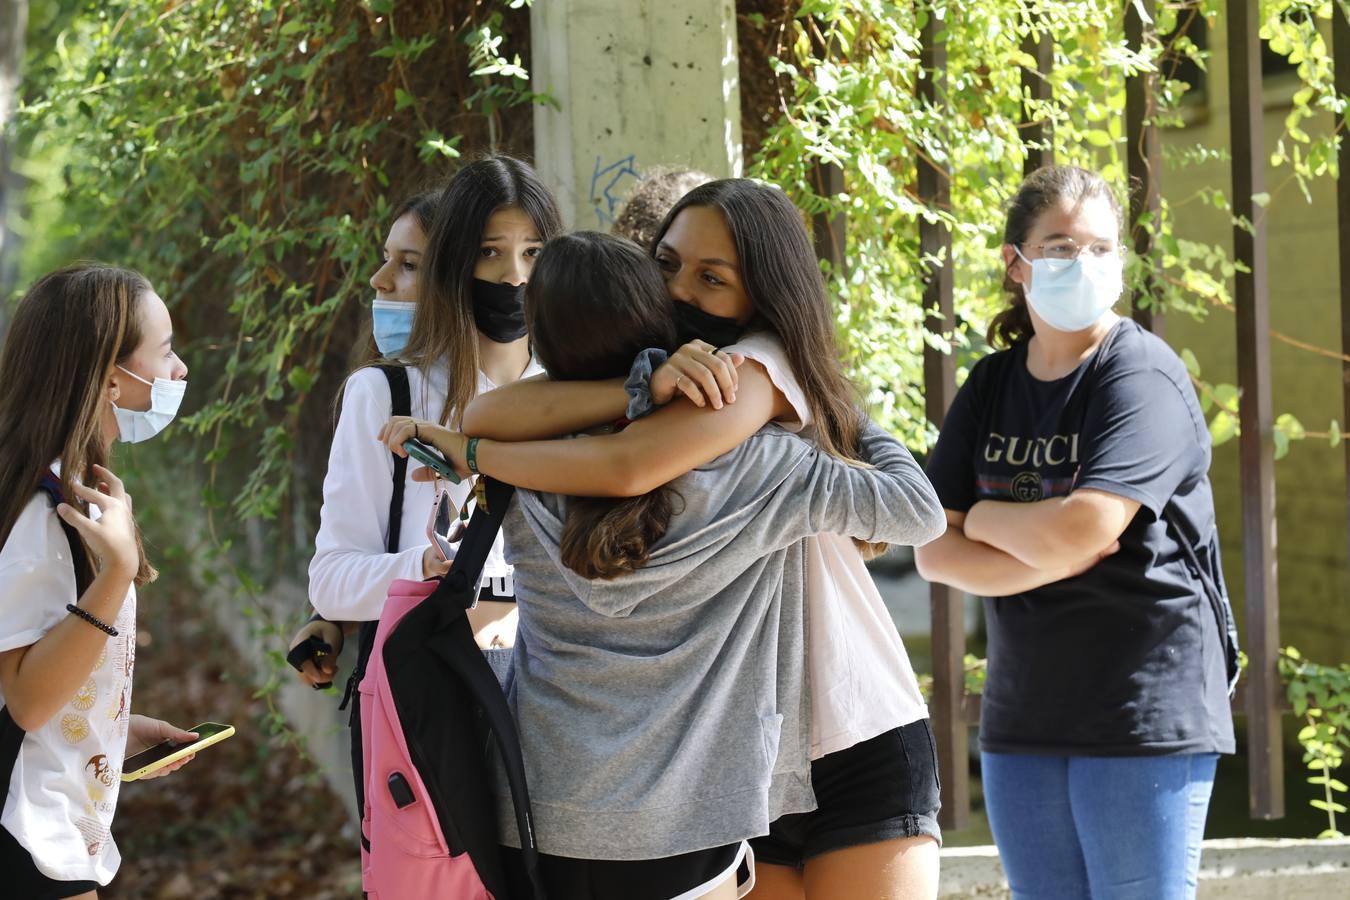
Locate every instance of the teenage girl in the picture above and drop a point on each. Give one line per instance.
(1073, 466)
(658, 679)
(450, 308)
(738, 261)
(88, 359)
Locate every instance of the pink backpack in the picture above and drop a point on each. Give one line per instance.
(431, 710)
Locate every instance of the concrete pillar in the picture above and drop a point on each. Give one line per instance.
(639, 83)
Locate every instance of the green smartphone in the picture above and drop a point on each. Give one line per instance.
(431, 458)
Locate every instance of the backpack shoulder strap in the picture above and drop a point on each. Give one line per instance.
(400, 396)
(50, 485)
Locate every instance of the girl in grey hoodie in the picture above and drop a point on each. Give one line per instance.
(659, 671)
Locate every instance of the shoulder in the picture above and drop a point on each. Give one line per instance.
(364, 387)
(30, 540)
(1140, 356)
(991, 369)
(766, 350)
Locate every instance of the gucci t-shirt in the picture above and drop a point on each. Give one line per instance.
(63, 792)
(1130, 657)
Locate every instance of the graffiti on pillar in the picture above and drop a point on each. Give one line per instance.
(608, 185)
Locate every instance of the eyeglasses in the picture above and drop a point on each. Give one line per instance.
(1066, 250)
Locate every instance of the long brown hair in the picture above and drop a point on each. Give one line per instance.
(443, 326)
(594, 302)
(1046, 187)
(782, 279)
(67, 333)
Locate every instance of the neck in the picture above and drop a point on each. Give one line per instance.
(1053, 354)
(503, 363)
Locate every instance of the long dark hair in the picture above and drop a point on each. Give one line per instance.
(423, 207)
(443, 326)
(782, 279)
(594, 302)
(69, 330)
(1042, 189)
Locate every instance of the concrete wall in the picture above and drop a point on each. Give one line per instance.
(1229, 870)
(639, 83)
(1310, 481)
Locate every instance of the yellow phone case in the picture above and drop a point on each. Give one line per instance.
(185, 750)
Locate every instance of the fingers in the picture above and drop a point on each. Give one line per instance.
(424, 474)
(114, 484)
(89, 495)
(706, 373)
(396, 431)
(170, 768)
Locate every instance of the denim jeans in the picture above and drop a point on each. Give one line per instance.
(1099, 828)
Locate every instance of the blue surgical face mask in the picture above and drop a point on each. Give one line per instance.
(392, 322)
(1074, 295)
(136, 425)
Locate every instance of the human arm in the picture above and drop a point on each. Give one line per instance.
(645, 455)
(1140, 439)
(888, 501)
(538, 408)
(351, 571)
(1047, 533)
(985, 571)
(42, 668)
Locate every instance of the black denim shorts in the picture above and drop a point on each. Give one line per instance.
(877, 790)
(22, 877)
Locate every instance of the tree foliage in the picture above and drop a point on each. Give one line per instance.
(857, 106)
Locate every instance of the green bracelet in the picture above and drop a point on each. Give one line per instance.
(471, 455)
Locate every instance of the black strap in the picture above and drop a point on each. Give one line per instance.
(400, 404)
(1223, 611)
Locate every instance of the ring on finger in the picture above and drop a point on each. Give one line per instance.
(677, 382)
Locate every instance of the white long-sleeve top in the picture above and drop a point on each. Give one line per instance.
(351, 571)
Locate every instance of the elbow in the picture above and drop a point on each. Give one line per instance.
(25, 715)
(474, 422)
(928, 562)
(630, 477)
(932, 522)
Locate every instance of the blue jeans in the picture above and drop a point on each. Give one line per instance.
(1099, 828)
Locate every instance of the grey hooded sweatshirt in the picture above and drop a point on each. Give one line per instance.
(665, 711)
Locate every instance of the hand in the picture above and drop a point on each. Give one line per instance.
(144, 732)
(432, 564)
(701, 372)
(323, 669)
(113, 536)
(452, 444)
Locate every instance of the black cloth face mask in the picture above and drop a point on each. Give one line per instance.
(499, 310)
(692, 323)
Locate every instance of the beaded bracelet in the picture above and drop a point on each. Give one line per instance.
(92, 620)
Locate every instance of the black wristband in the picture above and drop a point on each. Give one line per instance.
(92, 620)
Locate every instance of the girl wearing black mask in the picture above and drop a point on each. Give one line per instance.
(739, 261)
(467, 336)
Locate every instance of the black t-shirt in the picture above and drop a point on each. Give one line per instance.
(1128, 658)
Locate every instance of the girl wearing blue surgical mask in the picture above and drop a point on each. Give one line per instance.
(397, 282)
(449, 308)
(1073, 466)
(88, 360)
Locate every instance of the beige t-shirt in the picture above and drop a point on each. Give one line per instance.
(63, 792)
(861, 680)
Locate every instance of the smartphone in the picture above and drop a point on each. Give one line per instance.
(157, 757)
(431, 458)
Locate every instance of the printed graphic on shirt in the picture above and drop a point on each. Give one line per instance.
(1026, 469)
(74, 728)
(86, 696)
(102, 771)
(95, 834)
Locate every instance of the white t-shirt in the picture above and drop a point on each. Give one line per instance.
(63, 792)
(862, 682)
(351, 571)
